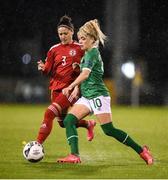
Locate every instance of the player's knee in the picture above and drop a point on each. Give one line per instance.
(67, 122)
(70, 120)
(52, 111)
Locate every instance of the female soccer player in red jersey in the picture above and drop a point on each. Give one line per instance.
(61, 65)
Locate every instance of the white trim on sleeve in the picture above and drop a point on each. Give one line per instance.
(86, 69)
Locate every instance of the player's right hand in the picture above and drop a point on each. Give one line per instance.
(75, 93)
(66, 91)
(40, 65)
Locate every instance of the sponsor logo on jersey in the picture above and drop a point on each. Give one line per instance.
(72, 52)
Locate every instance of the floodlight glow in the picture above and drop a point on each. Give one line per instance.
(26, 58)
(128, 69)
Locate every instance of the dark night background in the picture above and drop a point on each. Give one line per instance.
(22, 21)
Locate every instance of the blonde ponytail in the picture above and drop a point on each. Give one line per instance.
(92, 28)
(100, 35)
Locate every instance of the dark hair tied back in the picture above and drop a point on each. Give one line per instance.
(65, 21)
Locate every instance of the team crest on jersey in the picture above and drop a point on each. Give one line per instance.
(72, 52)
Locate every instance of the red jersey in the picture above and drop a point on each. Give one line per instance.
(59, 62)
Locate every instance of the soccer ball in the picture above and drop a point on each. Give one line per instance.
(33, 151)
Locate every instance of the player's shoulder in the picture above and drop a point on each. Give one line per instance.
(93, 52)
(55, 46)
(76, 43)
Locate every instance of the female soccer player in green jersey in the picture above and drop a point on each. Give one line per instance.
(95, 97)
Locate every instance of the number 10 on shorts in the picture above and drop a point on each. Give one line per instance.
(97, 103)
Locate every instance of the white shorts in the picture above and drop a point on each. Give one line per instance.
(98, 105)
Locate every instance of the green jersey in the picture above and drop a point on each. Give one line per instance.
(94, 85)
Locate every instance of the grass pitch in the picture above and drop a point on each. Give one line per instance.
(102, 158)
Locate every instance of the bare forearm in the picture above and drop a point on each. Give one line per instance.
(83, 76)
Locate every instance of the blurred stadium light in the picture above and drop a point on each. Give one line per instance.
(128, 69)
(26, 58)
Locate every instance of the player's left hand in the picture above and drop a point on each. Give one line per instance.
(75, 65)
